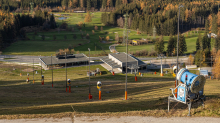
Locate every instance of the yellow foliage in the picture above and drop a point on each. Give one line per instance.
(142, 5)
(88, 17)
(210, 21)
(107, 38)
(191, 59)
(80, 23)
(216, 66)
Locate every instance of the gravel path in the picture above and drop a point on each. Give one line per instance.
(123, 119)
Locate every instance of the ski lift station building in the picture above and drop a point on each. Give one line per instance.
(60, 60)
(118, 60)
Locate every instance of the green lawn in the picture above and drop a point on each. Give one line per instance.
(36, 46)
(147, 96)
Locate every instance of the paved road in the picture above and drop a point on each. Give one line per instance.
(26, 59)
(123, 119)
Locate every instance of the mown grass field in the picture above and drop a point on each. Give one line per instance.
(47, 47)
(146, 97)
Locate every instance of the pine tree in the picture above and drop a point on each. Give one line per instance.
(217, 43)
(64, 3)
(170, 46)
(88, 17)
(70, 4)
(118, 3)
(207, 26)
(159, 45)
(81, 3)
(214, 25)
(182, 45)
(75, 3)
(88, 5)
(104, 4)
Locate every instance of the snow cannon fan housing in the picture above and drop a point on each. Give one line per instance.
(195, 82)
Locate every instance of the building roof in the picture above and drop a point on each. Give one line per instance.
(110, 62)
(122, 57)
(55, 60)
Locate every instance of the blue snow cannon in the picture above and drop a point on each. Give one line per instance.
(189, 89)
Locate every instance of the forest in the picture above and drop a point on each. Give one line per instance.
(163, 15)
(11, 25)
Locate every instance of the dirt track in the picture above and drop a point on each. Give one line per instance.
(123, 119)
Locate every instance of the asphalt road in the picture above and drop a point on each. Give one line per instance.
(123, 119)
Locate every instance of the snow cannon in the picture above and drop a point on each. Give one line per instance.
(190, 89)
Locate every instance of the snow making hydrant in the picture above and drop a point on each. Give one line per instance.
(99, 86)
(190, 88)
(42, 79)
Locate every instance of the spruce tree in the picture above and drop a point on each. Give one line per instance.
(88, 5)
(207, 26)
(170, 46)
(182, 45)
(104, 3)
(159, 45)
(214, 25)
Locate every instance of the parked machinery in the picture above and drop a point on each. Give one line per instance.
(189, 89)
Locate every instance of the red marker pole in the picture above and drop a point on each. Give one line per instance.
(100, 93)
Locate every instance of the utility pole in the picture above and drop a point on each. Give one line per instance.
(33, 71)
(52, 70)
(66, 72)
(125, 29)
(161, 56)
(89, 76)
(178, 43)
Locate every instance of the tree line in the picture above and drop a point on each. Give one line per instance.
(11, 25)
(164, 16)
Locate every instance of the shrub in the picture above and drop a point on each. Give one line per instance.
(107, 38)
(96, 28)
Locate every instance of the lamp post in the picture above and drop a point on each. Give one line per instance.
(66, 72)
(178, 42)
(126, 79)
(172, 58)
(89, 75)
(52, 70)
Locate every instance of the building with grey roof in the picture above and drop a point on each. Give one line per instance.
(118, 60)
(59, 61)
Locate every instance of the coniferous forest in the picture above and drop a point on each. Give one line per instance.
(144, 15)
(164, 16)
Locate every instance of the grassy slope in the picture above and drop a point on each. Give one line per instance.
(48, 47)
(147, 97)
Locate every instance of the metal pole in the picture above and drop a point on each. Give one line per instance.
(177, 45)
(126, 69)
(52, 71)
(161, 67)
(90, 97)
(20, 68)
(66, 72)
(41, 68)
(172, 58)
(33, 71)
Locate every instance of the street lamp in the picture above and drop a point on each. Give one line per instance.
(178, 42)
(89, 75)
(126, 79)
